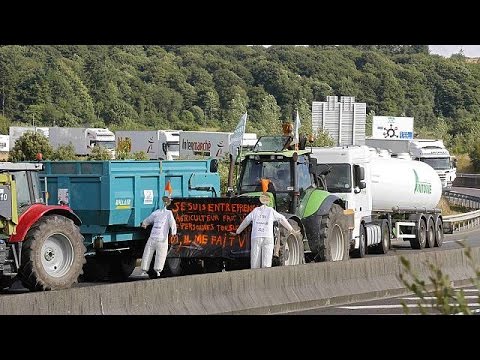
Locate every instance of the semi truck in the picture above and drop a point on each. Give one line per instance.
(157, 144)
(41, 245)
(112, 198)
(215, 145)
(294, 182)
(83, 139)
(390, 197)
(15, 132)
(430, 151)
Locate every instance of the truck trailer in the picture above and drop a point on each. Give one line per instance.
(113, 197)
(83, 139)
(157, 144)
(211, 145)
(390, 197)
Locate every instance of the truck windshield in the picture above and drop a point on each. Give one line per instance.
(106, 144)
(277, 171)
(339, 179)
(438, 163)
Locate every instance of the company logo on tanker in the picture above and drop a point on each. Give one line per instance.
(421, 187)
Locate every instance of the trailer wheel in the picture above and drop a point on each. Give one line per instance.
(291, 250)
(384, 245)
(334, 240)
(122, 267)
(430, 243)
(362, 247)
(420, 234)
(52, 254)
(438, 231)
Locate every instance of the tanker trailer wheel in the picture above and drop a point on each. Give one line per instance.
(334, 236)
(420, 234)
(430, 243)
(291, 247)
(52, 254)
(438, 231)
(384, 245)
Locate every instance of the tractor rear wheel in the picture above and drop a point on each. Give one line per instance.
(53, 254)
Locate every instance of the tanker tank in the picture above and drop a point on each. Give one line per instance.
(403, 183)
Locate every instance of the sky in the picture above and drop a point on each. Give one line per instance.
(447, 50)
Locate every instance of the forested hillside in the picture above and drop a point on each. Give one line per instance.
(198, 87)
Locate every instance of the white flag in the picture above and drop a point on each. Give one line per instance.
(236, 140)
(297, 126)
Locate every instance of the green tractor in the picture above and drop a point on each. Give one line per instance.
(296, 186)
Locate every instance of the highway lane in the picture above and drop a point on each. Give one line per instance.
(466, 191)
(391, 306)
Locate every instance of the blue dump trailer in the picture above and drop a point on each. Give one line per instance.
(113, 197)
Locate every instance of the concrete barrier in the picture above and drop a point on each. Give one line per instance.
(260, 291)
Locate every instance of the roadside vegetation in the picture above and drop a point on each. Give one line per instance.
(208, 87)
(440, 295)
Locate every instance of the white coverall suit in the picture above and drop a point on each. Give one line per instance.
(162, 221)
(261, 249)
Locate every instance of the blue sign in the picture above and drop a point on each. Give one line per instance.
(406, 134)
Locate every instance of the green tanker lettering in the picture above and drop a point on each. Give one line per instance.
(421, 187)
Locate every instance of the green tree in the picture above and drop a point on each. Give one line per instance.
(322, 139)
(269, 116)
(29, 145)
(99, 153)
(64, 152)
(140, 155)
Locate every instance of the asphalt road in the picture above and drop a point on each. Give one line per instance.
(392, 306)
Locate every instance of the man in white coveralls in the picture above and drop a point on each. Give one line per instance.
(262, 218)
(163, 221)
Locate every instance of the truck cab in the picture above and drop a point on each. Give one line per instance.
(102, 137)
(434, 153)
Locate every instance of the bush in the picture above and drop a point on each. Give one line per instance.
(64, 152)
(29, 145)
(443, 298)
(99, 153)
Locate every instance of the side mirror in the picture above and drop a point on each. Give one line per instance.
(362, 184)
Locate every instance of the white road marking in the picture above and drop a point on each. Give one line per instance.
(390, 306)
(467, 290)
(450, 241)
(433, 297)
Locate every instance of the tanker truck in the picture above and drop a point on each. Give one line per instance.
(390, 197)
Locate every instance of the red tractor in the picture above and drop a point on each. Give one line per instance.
(41, 245)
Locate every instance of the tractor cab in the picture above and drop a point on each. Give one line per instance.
(287, 171)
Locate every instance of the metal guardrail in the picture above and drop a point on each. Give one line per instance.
(464, 200)
(461, 222)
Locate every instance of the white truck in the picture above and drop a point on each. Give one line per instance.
(204, 144)
(391, 197)
(83, 139)
(15, 132)
(430, 151)
(157, 144)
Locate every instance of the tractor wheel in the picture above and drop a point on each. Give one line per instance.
(52, 254)
(291, 247)
(334, 236)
